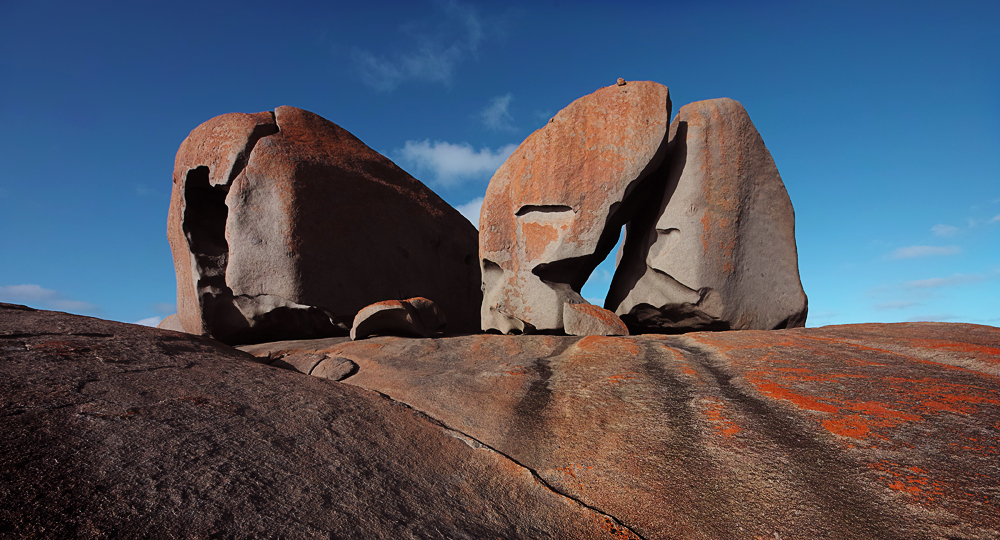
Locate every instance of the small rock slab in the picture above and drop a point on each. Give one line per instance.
(414, 317)
(591, 320)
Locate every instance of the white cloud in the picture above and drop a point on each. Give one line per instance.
(451, 164)
(884, 306)
(25, 293)
(944, 230)
(924, 251)
(956, 279)
(995, 219)
(471, 210)
(496, 116)
(149, 321)
(933, 318)
(44, 298)
(435, 54)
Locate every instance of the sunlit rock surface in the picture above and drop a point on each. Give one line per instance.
(859, 431)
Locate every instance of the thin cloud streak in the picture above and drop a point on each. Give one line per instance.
(38, 296)
(912, 252)
(956, 279)
(944, 231)
(885, 306)
(452, 164)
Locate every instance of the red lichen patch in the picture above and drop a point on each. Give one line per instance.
(776, 391)
(915, 482)
(613, 529)
(992, 353)
(712, 408)
(853, 426)
(536, 237)
(623, 377)
(605, 346)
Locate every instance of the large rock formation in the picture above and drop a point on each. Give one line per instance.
(113, 430)
(716, 248)
(843, 432)
(285, 225)
(554, 209)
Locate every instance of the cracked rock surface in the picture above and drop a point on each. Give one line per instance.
(887, 431)
(284, 225)
(113, 430)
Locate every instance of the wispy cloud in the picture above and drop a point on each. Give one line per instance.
(955, 279)
(885, 306)
(435, 53)
(38, 296)
(451, 164)
(944, 230)
(165, 308)
(497, 116)
(941, 317)
(149, 321)
(924, 251)
(995, 219)
(471, 210)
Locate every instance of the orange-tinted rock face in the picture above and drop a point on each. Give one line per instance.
(716, 249)
(554, 209)
(286, 225)
(844, 432)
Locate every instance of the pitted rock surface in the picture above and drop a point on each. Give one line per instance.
(285, 225)
(716, 248)
(555, 208)
(114, 430)
(843, 432)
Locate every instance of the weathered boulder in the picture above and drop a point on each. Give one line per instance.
(171, 322)
(715, 249)
(555, 208)
(846, 432)
(414, 317)
(590, 320)
(114, 430)
(285, 225)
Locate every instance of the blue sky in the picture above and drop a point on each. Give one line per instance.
(882, 117)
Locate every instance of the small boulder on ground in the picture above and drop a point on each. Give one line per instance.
(591, 320)
(414, 317)
(715, 250)
(555, 208)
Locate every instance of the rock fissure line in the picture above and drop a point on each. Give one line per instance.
(476, 444)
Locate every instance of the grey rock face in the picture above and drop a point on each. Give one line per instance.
(285, 225)
(555, 208)
(716, 250)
